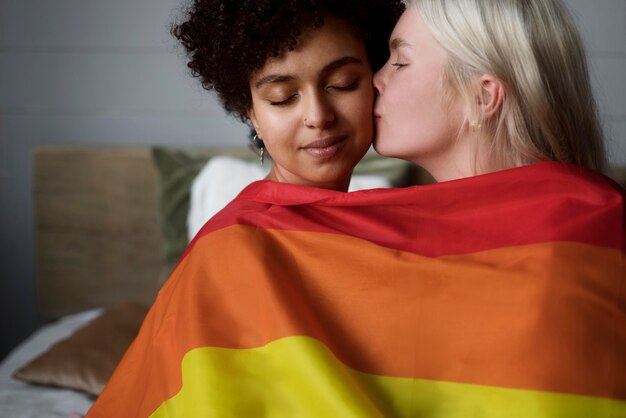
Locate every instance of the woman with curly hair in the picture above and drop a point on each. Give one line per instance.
(299, 72)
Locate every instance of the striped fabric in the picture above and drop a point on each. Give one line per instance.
(502, 295)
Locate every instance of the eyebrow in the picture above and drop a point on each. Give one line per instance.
(396, 43)
(331, 66)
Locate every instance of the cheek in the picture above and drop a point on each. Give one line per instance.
(409, 107)
(359, 111)
(364, 113)
(415, 99)
(403, 105)
(273, 126)
(408, 92)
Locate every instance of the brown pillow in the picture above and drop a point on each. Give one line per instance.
(86, 359)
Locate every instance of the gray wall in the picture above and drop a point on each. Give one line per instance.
(85, 72)
(107, 72)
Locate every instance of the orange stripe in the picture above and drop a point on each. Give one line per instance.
(546, 317)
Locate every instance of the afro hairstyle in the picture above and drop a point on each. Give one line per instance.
(228, 40)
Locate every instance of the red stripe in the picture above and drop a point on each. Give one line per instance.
(544, 202)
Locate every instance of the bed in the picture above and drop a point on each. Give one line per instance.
(111, 223)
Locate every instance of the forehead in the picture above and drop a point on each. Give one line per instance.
(412, 39)
(317, 47)
(410, 31)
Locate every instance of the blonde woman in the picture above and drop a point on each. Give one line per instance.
(475, 86)
(521, 311)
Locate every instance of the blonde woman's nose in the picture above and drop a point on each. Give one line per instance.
(379, 80)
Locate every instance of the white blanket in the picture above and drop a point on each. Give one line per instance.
(22, 400)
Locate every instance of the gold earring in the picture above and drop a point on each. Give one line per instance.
(262, 155)
(257, 144)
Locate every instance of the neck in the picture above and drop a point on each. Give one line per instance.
(461, 161)
(340, 185)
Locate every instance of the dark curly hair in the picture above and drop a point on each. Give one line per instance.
(228, 40)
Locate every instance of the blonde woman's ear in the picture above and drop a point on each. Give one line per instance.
(491, 96)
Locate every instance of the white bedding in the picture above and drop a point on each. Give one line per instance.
(22, 400)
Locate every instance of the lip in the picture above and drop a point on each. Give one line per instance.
(325, 147)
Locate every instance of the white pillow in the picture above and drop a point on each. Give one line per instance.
(223, 178)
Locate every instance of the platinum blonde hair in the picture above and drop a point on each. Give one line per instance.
(533, 47)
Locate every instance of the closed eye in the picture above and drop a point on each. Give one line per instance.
(347, 87)
(282, 102)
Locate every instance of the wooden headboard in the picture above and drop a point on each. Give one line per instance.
(98, 238)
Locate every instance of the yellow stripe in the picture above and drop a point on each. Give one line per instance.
(300, 377)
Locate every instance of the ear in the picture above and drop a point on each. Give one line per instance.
(252, 118)
(490, 97)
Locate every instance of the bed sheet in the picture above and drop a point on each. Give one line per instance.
(22, 400)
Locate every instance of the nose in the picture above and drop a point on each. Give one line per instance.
(318, 112)
(379, 80)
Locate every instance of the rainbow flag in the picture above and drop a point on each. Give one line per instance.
(502, 295)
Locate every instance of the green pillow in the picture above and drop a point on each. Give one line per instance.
(176, 170)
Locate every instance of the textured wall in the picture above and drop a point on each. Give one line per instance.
(108, 72)
(85, 72)
(603, 26)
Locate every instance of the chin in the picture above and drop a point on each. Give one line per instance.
(380, 148)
